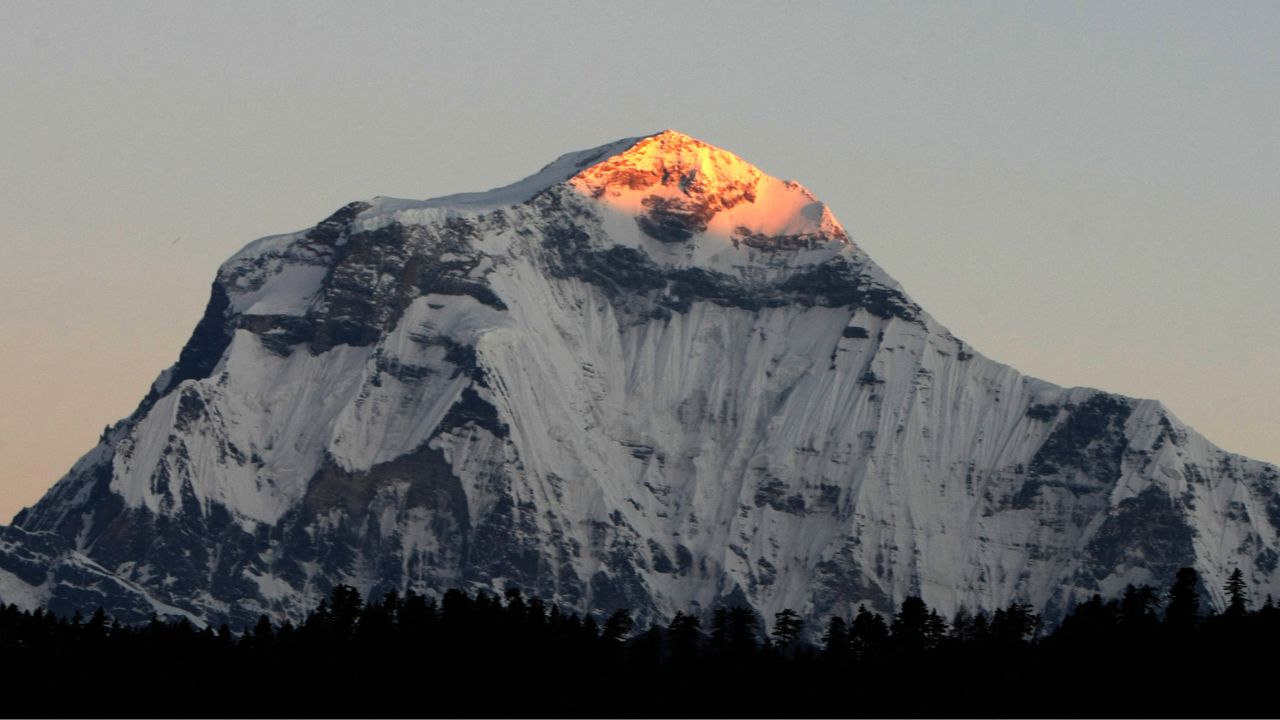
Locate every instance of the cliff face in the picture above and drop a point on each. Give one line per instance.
(648, 376)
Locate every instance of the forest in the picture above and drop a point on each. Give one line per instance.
(1150, 652)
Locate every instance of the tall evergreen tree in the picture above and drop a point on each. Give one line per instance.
(590, 628)
(96, 628)
(617, 627)
(225, 637)
(1237, 594)
(1091, 618)
(536, 612)
(744, 630)
(962, 626)
(392, 602)
(1015, 624)
(981, 627)
(911, 626)
(417, 615)
(285, 635)
(935, 629)
(377, 620)
(345, 605)
(1184, 599)
(787, 627)
(683, 633)
(869, 634)
(264, 634)
(720, 630)
(835, 641)
(515, 602)
(1138, 608)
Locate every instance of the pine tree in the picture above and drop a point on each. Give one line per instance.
(645, 649)
(744, 631)
(416, 615)
(264, 634)
(377, 621)
(1138, 608)
(345, 605)
(682, 637)
(787, 626)
(536, 612)
(910, 626)
(869, 634)
(1237, 594)
(96, 628)
(720, 630)
(1184, 600)
(935, 629)
(1015, 624)
(981, 628)
(1091, 620)
(455, 608)
(962, 626)
(285, 635)
(617, 627)
(225, 638)
(590, 627)
(515, 602)
(392, 604)
(835, 641)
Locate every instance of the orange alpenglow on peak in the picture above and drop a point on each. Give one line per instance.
(678, 187)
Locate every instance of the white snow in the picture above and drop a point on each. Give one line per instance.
(15, 591)
(282, 410)
(288, 292)
(384, 209)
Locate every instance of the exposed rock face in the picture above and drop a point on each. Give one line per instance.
(648, 376)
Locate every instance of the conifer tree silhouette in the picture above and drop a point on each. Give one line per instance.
(1237, 594)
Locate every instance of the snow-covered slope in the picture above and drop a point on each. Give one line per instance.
(649, 376)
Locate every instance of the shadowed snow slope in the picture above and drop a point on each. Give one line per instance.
(648, 376)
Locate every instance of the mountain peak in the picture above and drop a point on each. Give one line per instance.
(678, 186)
(670, 158)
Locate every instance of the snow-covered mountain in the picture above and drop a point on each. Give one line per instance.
(648, 376)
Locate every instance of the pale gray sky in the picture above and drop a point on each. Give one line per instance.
(1087, 191)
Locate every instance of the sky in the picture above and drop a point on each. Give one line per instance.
(1086, 191)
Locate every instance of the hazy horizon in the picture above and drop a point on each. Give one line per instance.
(1085, 192)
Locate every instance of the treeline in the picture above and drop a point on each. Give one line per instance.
(1147, 653)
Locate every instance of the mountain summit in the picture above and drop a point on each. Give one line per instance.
(648, 376)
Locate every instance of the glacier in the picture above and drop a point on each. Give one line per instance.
(648, 376)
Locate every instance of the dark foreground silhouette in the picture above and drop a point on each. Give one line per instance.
(1147, 653)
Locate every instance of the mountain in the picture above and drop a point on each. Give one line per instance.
(648, 376)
